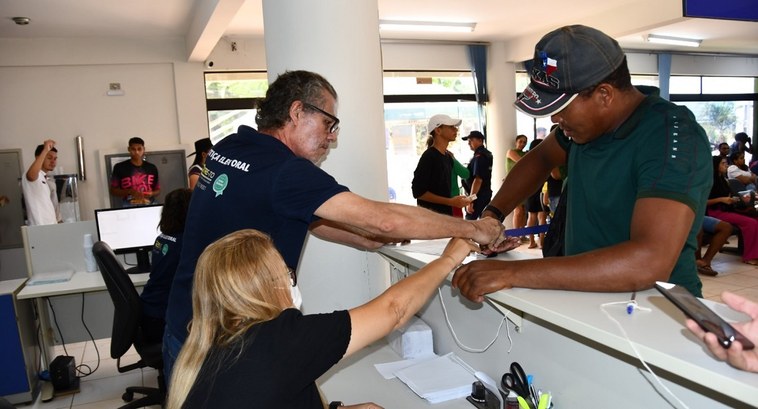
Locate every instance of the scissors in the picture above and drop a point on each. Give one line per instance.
(516, 381)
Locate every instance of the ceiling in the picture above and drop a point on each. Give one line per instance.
(520, 24)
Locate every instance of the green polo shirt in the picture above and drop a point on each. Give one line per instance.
(660, 151)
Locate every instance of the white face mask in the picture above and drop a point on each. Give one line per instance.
(297, 298)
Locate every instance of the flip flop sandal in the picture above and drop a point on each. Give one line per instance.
(707, 270)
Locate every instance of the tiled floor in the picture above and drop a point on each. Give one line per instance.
(103, 389)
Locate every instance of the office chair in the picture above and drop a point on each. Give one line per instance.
(126, 328)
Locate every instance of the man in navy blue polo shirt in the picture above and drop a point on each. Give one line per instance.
(268, 180)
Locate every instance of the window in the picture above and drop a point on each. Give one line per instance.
(411, 98)
(231, 98)
(723, 106)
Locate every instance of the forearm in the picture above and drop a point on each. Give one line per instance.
(400, 221)
(527, 175)
(33, 173)
(610, 269)
(347, 235)
(434, 198)
(476, 185)
(393, 308)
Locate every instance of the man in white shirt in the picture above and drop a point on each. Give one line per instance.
(39, 191)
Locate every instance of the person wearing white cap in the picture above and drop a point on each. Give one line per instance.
(431, 179)
(638, 176)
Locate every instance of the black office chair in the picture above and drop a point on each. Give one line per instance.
(126, 328)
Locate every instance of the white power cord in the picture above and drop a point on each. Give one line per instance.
(631, 306)
(475, 350)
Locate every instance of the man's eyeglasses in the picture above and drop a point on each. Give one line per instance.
(335, 126)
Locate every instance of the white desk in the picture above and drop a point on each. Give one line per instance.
(581, 356)
(355, 380)
(80, 282)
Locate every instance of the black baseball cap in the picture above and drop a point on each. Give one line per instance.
(475, 135)
(567, 61)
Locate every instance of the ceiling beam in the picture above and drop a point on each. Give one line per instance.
(211, 18)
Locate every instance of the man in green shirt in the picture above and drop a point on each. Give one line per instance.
(639, 176)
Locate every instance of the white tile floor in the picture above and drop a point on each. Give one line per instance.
(103, 389)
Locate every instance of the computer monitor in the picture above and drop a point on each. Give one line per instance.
(130, 230)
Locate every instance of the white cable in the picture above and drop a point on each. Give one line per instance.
(636, 352)
(469, 349)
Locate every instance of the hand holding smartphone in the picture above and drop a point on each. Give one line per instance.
(704, 316)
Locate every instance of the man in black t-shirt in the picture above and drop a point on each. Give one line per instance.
(135, 181)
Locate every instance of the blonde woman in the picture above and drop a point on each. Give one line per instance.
(249, 346)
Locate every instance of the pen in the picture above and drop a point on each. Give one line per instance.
(544, 401)
(630, 305)
(522, 403)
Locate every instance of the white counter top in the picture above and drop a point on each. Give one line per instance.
(660, 335)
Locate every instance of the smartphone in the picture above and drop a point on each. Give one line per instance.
(704, 316)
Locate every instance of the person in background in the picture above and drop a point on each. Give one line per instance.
(720, 232)
(739, 170)
(247, 326)
(202, 147)
(724, 151)
(536, 214)
(165, 259)
(135, 181)
(741, 144)
(511, 158)
(721, 205)
(431, 179)
(292, 196)
(479, 182)
(630, 222)
(459, 171)
(734, 355)
(40, 196)
(541, 133)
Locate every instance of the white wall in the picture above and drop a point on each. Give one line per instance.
(56, 88)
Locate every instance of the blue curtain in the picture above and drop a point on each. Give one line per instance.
(478, 60)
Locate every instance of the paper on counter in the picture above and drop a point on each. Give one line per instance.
(439, 379)
(387, 370)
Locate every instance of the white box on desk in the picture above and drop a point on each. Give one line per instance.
(412, 341)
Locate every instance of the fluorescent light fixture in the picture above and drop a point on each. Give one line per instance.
(659, 39)
(436, 26)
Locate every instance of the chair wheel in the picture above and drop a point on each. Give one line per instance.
(127, 396)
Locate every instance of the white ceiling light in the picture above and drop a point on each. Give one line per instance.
(437, 26)
(659, 39)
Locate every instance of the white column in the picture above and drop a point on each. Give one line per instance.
(338, 39)
(501, 116)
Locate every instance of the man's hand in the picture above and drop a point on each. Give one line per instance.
(489, 232)
(481, 277)
(460, 201)
(48, 146)
(734, 355)
(508, 244)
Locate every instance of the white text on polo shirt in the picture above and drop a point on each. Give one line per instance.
(234, 163)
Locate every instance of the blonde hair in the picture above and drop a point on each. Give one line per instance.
(240, 280)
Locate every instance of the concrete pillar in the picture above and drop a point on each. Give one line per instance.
(338, 39)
